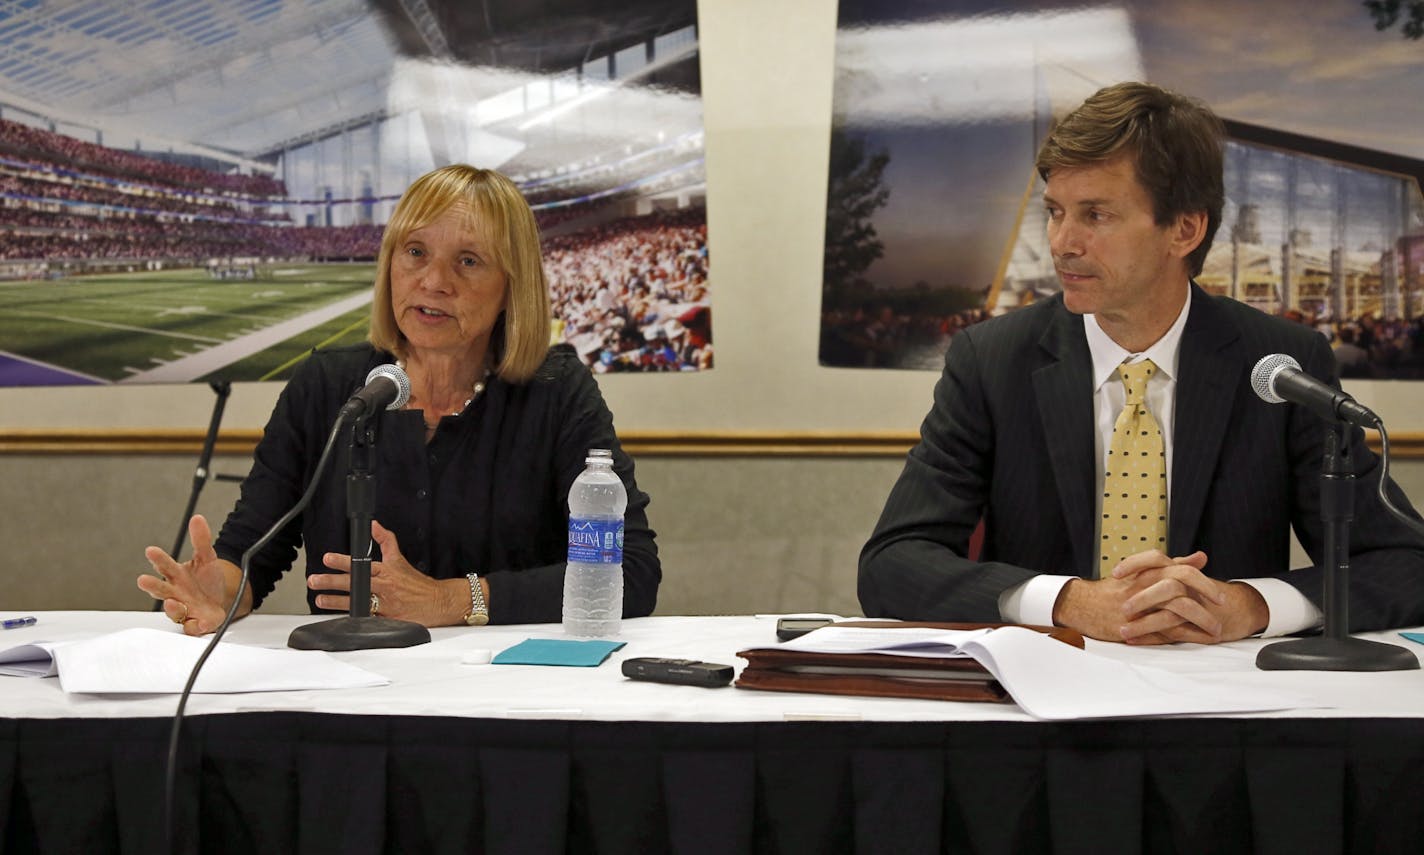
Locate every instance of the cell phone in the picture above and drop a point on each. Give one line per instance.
(788, 628)
(685, 672)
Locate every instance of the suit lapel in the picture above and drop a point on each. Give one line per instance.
(1063, 387)
(1210, 369)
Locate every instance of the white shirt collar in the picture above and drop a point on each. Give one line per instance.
(1108, 354)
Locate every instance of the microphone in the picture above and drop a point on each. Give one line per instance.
(387, 388)
(1278, 378)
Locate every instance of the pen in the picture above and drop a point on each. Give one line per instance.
(16, 623)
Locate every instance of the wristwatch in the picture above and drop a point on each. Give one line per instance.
(479, 614)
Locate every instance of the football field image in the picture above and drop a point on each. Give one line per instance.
(179, 326)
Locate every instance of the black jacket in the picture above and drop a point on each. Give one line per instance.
(1010, 439)
(488, 495)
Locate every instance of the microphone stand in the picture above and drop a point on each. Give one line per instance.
(360, 630)
(1335, 650)
(201, 475)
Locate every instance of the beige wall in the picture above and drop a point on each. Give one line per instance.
(737, 535)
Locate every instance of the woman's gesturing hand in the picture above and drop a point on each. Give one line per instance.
(195, 593)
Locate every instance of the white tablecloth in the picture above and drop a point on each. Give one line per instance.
(432, 679)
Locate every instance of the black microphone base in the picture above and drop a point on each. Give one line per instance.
(1335, 654)
(358, 633)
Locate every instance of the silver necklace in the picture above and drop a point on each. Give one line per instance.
(479, 387)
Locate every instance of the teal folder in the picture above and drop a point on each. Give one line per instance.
(557, 651)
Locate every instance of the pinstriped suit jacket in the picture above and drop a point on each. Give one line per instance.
(1009, 439)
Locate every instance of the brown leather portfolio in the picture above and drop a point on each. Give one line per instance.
(881, 674)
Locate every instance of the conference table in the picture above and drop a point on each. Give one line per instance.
(453, 754)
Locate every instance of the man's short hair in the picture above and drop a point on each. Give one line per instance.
(1174, 141)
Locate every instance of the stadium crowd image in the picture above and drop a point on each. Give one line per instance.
(165, 176)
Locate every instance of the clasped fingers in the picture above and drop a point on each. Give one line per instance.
(1180, 579)
(1156, 559)
(1178, 619)
(1169, 586)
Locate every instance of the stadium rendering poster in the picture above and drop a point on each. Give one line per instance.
(195, 190)
(934, 212)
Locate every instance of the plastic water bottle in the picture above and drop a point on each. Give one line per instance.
(593, 579)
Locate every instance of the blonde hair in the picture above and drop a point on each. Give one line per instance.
(521, 336)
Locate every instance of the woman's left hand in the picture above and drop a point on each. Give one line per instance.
(402, 591)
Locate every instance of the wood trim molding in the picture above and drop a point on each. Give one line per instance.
(768, 443)
(125, 441)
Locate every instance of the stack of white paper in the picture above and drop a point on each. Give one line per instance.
(154, 661)
(1053, 680)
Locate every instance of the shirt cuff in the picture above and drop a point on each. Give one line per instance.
(1289, 610)
(1032, 602)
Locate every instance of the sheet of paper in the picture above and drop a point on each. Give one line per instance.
(1052, 680)
(29, 660)
(926, 642)
(156, 661)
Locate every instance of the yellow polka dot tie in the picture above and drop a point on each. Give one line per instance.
(1135, 481)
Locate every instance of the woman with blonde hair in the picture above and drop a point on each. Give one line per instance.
(472, 474)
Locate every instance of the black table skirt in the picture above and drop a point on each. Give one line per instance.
(318, 783)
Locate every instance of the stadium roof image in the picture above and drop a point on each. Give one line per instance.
(242, 80)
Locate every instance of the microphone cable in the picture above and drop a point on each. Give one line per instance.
(171, 775)
(1411, 523)
(1263, 382)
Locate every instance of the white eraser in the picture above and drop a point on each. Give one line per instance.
(478, 656)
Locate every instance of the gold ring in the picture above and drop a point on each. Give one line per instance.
(375, 605)
(181, 620)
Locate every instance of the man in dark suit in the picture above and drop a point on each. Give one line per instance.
(1028, 406)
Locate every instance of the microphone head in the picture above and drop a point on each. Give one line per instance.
(397, 376)
(1263, 376)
